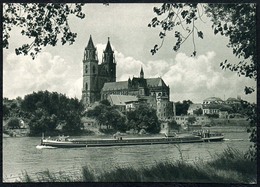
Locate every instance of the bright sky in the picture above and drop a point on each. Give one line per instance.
(60, 68)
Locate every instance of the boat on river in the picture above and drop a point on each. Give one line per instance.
(208, 136)
(65, 142)
(61, 142)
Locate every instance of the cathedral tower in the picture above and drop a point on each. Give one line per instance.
(107, 69)
(90, 91)
(109, 62)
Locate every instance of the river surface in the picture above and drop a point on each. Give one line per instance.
(20, 154)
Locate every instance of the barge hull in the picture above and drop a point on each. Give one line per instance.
(143, 143)
(128, 142)
(213, 139)
(62, 144)
(73, 143)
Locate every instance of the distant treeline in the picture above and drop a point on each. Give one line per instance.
(44, 111)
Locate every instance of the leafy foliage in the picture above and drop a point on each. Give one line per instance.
(250, 110)
(144, 117)
(235, 21)
(105, 102)
(198, 112)
(174, 125)
(12, 108)
(13, 123)
(238, 23)
(178, 15)
(191, 119)
(6, 110)
(43, 23)
(42, 122)
(212, 115)
(108, 115)
(72, 123)
(182, 107)
(48, 110)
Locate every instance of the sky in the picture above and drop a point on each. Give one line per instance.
(59, 68)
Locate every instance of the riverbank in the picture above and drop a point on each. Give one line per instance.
(227, 167)
(225, 129)
(96, 132)
(236, 122)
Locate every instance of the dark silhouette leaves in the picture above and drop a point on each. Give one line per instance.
(200, 34)
(44, 23)
(234, 21)
(177, 14)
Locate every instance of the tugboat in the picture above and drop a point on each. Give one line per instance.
(60, 142)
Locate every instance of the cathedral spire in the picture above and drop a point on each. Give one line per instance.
(108, 54)
(108, 47)
(90, 50)
(90, 44)
(141, 72)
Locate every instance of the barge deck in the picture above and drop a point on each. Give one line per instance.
(68, 143)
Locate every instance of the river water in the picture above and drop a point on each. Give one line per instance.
(20, 154)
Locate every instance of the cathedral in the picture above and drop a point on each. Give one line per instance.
(99, 82)
(95, 75)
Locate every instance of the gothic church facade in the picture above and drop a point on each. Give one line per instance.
(95, 74)
(99, 81)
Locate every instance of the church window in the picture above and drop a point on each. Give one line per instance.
(86, 68)
(94, 69)
(86, 86)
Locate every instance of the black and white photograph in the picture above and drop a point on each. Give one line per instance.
(129, 92)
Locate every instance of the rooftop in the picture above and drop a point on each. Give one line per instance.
(213, 99)
(151, 82)
(115, 85)
(121, 99)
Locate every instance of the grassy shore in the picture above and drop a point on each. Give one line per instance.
(227, 167)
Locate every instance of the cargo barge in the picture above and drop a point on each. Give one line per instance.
(65, 142)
